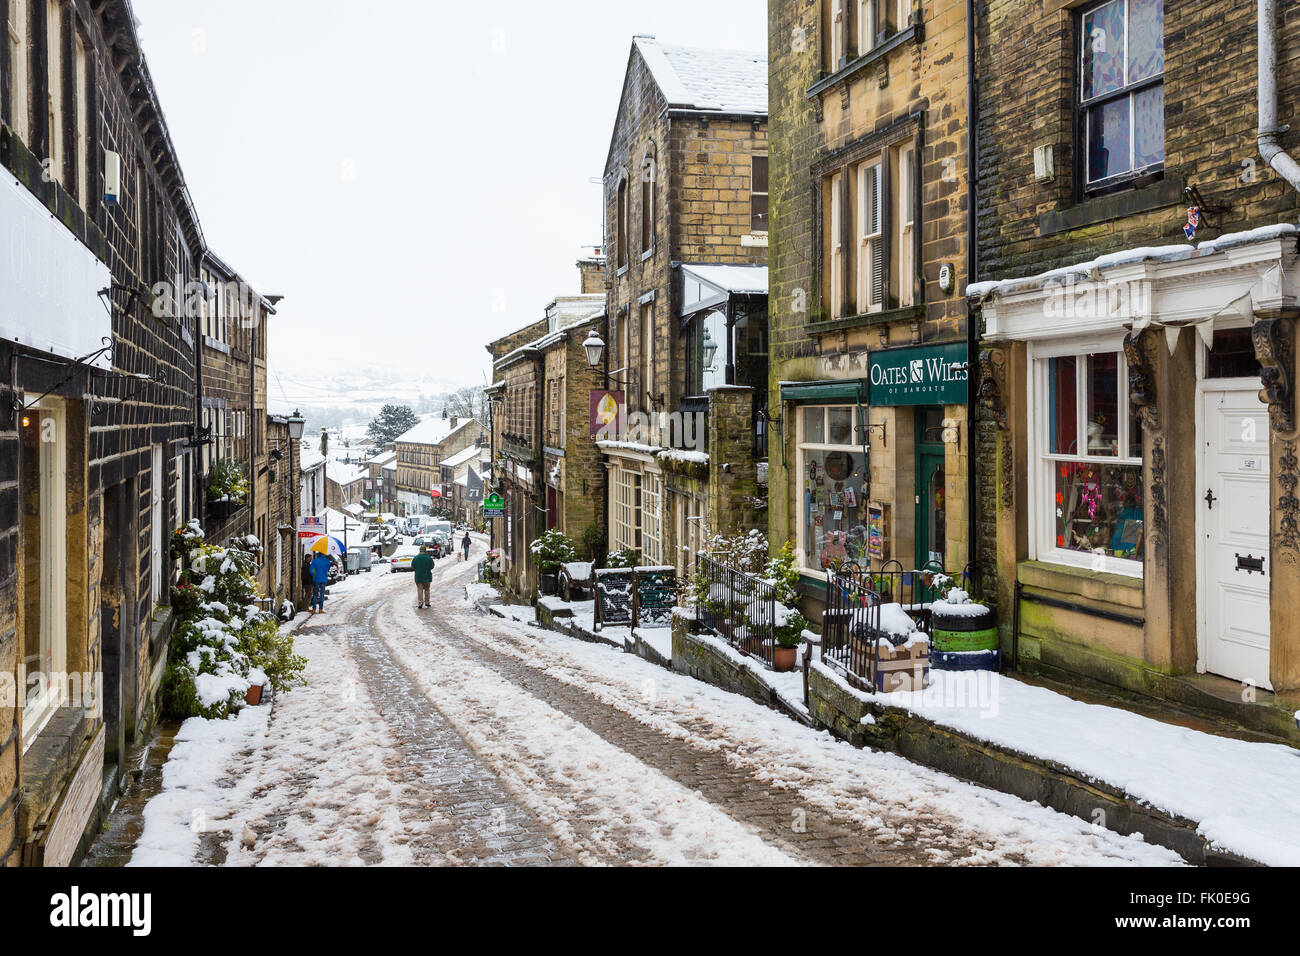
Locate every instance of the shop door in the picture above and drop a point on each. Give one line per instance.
(1235, 558)
(931, 529)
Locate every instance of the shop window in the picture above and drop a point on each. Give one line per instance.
(652, 550)
(1090, 496)
(1232, 355)
(1121, 89)
(833, 487)
(625, 515)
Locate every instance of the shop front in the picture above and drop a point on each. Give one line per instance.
(880, 463)
(1143, 482)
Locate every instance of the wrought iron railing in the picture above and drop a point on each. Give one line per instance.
(914, 590)
(737, 607)
(851, 625)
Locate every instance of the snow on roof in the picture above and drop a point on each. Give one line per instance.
(344, 473)
(723, 81)
(383, 459)
(461, 457)
(1172, 253)
(737, 279)
(434, 430)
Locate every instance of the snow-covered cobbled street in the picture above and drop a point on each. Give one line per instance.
(448, 736)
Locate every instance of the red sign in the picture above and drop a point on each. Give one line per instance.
(607, 411)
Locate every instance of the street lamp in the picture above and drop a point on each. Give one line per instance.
(296, 425)
(595, 347)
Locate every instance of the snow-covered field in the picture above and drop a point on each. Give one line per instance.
(451, 736)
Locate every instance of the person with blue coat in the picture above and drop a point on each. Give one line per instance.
(320, 575)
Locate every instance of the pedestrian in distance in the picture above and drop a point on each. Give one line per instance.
(465, 545)
(422, 569)
(320, 576)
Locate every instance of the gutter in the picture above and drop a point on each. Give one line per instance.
(1270, 133)
(972, 268)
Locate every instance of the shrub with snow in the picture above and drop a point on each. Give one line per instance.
(552, 549)
(223, 643)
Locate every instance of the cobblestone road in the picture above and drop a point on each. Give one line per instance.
(447, 736)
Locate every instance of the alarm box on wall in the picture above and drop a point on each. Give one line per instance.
(112, 177)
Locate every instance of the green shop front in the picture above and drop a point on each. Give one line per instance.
(880, 462)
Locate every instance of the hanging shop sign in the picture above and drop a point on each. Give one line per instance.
(606, 414)
(494, 506)
(930, 375)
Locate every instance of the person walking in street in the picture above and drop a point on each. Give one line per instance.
(320, 576)
(422, 569)
(465, 545)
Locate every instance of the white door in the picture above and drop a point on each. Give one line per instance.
(1235, 525)
(156, 519)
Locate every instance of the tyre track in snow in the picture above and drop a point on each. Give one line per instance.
(882, 810)
(455, 809)
(778, 816)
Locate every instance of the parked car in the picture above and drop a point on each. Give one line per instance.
(402, 557)
(433, 542)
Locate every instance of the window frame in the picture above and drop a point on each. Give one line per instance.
(52, 598)
(649, 200)
(621, 251)
(754, 217)
(19, 30)
(1043, 462)
(866, 278)
(55, 106)
(1083, 109)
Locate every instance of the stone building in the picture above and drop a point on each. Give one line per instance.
(686, 226)
(420, 452)
(548, 471)
(869, 182)
(380, 492)
(231, 347)
(277, 500)
(1138, 487)
(99, 429)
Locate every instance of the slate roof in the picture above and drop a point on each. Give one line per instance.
(723, 81)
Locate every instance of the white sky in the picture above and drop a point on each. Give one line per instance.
(412, 176)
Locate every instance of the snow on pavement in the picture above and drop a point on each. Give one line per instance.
(1247, 804)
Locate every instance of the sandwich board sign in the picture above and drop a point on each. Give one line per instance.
(494, 506)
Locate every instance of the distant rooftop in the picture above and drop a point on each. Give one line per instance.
(434, 430)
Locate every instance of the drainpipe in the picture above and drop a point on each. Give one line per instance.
(1269, 132)
(972, 267)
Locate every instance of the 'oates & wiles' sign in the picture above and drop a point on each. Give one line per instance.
(930, 375)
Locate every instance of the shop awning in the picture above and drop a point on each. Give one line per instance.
(848, 392)
(708, 286)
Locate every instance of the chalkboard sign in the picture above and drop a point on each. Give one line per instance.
(615, 598)
(876, 519)
(657, 596)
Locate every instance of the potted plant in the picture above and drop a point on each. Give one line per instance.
(186, 599)
(789, 636)
(552, 550)
(227, 486)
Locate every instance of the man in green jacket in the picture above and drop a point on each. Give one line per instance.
(422, 568)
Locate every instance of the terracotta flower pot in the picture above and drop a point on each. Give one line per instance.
(784, 658)
(254, 695)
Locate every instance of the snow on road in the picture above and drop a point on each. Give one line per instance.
(450, 736)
